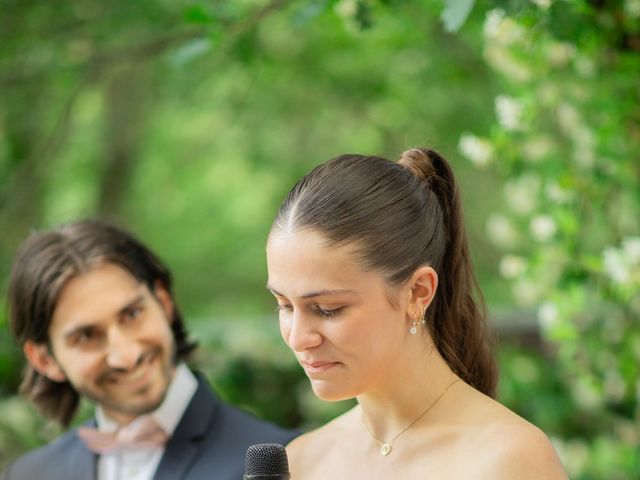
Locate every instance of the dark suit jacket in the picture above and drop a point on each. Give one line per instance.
(209, 443)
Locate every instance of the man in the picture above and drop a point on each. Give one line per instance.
(94, 313)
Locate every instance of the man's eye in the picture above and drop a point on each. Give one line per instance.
(85, 337)
(133, 312)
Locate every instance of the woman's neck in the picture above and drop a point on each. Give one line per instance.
(420, 376)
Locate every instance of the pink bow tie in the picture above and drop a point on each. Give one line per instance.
(144, 432)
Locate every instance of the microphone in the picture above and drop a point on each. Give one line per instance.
(266, 461)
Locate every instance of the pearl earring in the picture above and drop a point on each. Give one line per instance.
(418, 321)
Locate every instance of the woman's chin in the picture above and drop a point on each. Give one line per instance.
(331, 393)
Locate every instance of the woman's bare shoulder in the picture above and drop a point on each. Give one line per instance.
(505, 445)
(519, 450)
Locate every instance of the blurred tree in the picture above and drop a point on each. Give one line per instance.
(566, 141)
(188, 121)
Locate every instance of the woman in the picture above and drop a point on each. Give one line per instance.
(369, 263)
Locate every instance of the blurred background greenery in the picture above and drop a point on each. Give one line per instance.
(187, 121)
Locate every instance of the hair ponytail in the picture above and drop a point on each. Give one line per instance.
(403, 215)
(458, 316)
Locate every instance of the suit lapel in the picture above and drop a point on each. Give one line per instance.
(186, 440)
(82, 462)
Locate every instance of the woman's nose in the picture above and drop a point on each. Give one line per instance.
(302, 333)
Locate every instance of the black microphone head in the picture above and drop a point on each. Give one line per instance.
(266, 459)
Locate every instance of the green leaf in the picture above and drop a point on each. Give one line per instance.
(455, 13)
(197, 14)
(190, 51)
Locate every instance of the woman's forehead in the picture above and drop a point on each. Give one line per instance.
(304, 261)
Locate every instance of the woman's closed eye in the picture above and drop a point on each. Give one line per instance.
(284, 307)
(327, 312)
(317, 309)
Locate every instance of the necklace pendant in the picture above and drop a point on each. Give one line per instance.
(385, 449)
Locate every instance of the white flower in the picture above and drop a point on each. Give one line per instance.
(522, 193)
(631, 249)
(476, 149)
(584, 147)
(512, 266)
(536, 148)
(508, 111)
(615, 266)
(573, 453)
(544, 4)
(632, 7)
(346, 8)
(543, 227)
(614, 386)
(560, 53)
(548, 93)
(492, 22)
(503, 61)
(526, 292)
(558, 194)
(501, 231)
(584, 66)
(586, 395)
(568, 118)
(547, 315)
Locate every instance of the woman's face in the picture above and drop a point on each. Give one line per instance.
(336, 317)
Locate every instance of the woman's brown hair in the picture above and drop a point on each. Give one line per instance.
(403, 215)
(45, 263)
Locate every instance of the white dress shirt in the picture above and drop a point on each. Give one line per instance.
(141, 464)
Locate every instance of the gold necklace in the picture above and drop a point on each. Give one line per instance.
(386, 447)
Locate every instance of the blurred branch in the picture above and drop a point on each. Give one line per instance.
(26, 181)
(261, 14)
(146, 50)
(102, 60)
(126, 101)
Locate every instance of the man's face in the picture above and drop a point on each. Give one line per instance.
(111, 339)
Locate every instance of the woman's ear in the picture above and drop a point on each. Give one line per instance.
(423, 285)
(40, 358)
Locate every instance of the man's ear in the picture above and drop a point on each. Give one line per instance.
(42, 361)
(423, 285)
(164, 297)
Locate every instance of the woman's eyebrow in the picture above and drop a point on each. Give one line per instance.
(316, 293)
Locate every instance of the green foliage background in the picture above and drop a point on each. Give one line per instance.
(188, 121)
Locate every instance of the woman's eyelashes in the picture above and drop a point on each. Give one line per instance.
(315, 308)
(326, 312)
(283, 308)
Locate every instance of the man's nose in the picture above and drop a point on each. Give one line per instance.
(124, 351)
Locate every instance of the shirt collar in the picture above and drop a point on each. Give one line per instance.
(168, 414)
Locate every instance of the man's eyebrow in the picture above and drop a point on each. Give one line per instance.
(86, 326)
(317, 293)
(135, 301)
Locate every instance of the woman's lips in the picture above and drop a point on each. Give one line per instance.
(318, 366)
